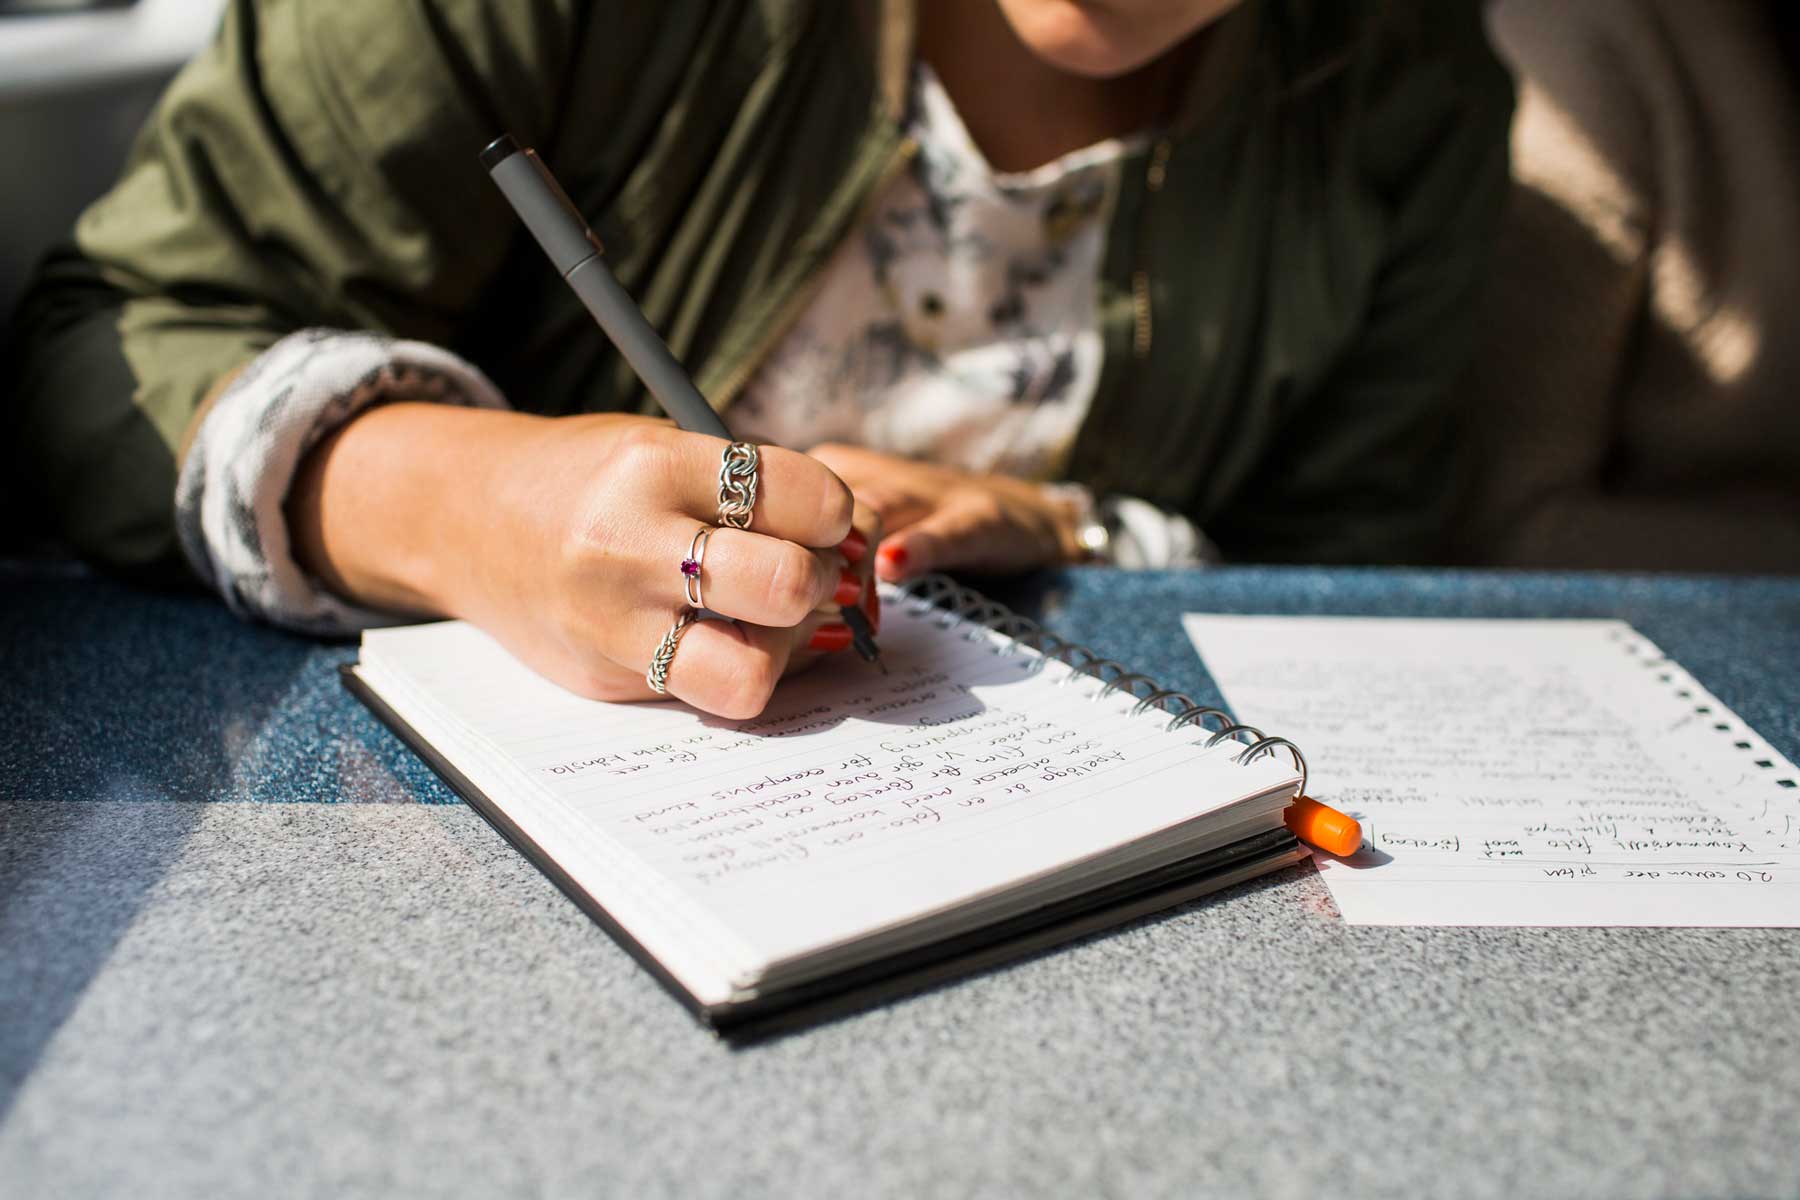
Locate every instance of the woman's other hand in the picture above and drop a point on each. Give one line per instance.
(563, 538)
(941, 518)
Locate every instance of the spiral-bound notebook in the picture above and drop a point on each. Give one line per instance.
(998, 791)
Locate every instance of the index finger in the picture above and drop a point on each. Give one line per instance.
(797, 497)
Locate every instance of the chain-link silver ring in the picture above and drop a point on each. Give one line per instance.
(658, 674)
(737, 484)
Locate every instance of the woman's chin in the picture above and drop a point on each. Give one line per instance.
(1106, 40)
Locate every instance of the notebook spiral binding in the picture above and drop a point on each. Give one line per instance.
(959, 603)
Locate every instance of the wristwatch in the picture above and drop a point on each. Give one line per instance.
(1093, 538)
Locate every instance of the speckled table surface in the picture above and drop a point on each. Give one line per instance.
(248, 945)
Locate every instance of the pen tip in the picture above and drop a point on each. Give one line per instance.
(861, 636)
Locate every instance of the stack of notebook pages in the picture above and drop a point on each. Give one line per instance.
(866, 833)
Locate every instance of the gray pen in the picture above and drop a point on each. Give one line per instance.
(575, 252)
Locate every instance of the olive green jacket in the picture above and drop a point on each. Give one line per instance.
(1285, 298)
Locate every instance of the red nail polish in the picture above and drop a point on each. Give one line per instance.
(895, 555)
(854, 546)
(849, 588)
(830, 638)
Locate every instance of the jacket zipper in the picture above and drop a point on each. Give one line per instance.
(1154, 176)
(802, 294)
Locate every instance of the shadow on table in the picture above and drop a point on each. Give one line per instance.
(1365, 858)
(125, 712)
(73, 876)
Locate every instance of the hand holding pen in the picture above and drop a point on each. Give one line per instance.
(576, 254)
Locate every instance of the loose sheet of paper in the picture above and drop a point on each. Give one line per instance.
(1520, 772)
(855, 802)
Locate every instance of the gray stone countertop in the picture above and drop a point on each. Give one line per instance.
(250, 946)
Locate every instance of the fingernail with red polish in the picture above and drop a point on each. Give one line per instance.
(849, 588)
(895, 555)
(830, 638)
(854, 546)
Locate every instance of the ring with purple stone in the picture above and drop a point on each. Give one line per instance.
(690, 566)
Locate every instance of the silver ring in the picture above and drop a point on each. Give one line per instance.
(691, 565)
(737, 484)
(658, 674)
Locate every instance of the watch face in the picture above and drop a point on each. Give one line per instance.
(1095, 540)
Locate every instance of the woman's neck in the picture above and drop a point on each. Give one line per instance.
(1022, 111)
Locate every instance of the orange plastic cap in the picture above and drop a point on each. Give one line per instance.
(1327, 828)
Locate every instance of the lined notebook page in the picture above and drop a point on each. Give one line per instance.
(856, 802)
(1521, 772)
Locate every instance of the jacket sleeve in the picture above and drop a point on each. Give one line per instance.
(316, 166)
(1369, 461)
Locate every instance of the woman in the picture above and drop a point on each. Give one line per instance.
(1208, 262)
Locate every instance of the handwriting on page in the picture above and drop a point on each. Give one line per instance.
(849, 768)
(977, 779)
(953, 754)
(1520, 772)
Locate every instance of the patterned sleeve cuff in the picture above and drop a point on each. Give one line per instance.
(235, 479)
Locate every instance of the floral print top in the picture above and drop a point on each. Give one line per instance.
(958, 323)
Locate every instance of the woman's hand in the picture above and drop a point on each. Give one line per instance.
(562, 537)
(941, 518)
